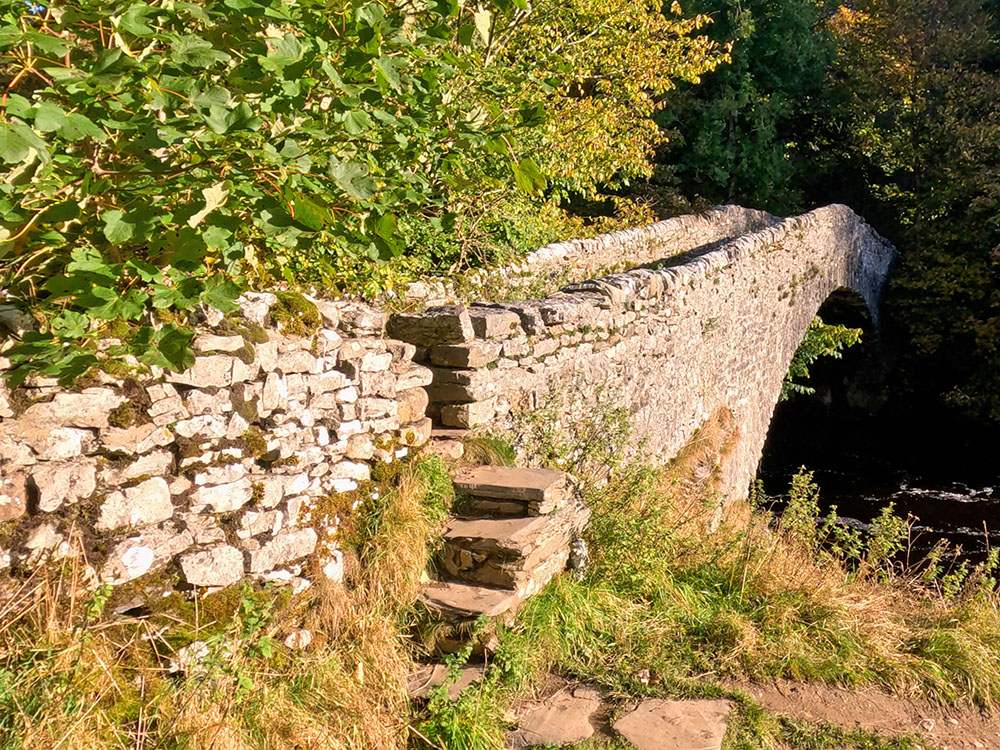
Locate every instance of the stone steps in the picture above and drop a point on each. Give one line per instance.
(514, 535)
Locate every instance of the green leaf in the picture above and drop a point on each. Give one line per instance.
(49, 117)
(357, 121)
(70, 324)
(389, 71)
(528, 176)
(283, 49)
(15, 147)
(309, 214)
(353, 179)
(134, 19)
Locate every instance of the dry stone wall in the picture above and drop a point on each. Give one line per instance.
(217, 473)
(674, 341)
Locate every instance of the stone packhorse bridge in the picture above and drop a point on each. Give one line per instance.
(715, 326)
(238, 466)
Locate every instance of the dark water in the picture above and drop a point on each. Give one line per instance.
(944, 475)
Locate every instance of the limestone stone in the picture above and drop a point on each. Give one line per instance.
(199, 402)
(298, 361)
(360, 447)
(449, 324)
(147, 503)
(283, 548)
(376, 361)
(256, 307)
(135, 440)
(13, 496)
(45, 542)
(357, 319)
(460, 601)
(415, 377)
(48, 443)
(375, 408)
(468, 415)
(355, 470)
(449, 450)
(220, 565)
(328, 311)
(474, 354)
(402, 355)
(565, 718)
(491, 323)
(455, 392)
(546, 487)
(213, 371)
(412, 405)
(223, 498)
(135, 556)
(207, 342)
(675, 725)
(420, 683)
(88, 408)
(220, 474)
(202, 426)
(416, 433)
(327, 382)
(63, 482)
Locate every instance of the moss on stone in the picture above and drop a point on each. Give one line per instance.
(254, 442)
(295, 314)
(123, 415)
(290, 461)
(256, 493)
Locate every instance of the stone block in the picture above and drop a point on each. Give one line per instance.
(416, 433)
(283, 548)
(63, 482)
(135, 440)
(450, 324)
(357, 319)
(355, 470)
(377, 408)
(468, 415)
(491, 323)
(144, 553)
(454, 393)
(144, 504)
(221, 565)
(88, 409)
(657, 724)
(474, 354)
(414, 377)
(412, 404)
(299, 361)
(207, 342)
(213, 371)
(13, 496)
(223, 498)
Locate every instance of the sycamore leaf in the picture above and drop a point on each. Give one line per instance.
(214, 196)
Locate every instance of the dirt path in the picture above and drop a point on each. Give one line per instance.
(944, 727)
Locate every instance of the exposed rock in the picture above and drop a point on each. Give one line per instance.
(283, 548)
(256, 307)
(48, 443)
(63, 482)
(449, 450)
(207, 342)
(357, 319)
(146, 503)
(449, 324)
(412, 405)
(135, 440)
(138, 555)
(415, 376)
(416, 433)
(562, 719)
(419, 684)
(13, 496)
(491, 323)
(213, 371)
(88, 408)
(474, 354)
(223, 498)
(469, 415)
(298, 640)
(675, 725)
(46, 542)
(216, 566)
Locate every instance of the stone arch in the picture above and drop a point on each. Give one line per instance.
(674, 341)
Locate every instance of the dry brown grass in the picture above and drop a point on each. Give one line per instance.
(66, 682)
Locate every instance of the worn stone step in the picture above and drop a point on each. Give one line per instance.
(455, 601)
(509, 552)
(506, 490)
(420, 683)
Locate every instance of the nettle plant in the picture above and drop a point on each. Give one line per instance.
(165, 155)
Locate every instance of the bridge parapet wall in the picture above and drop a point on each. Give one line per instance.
(673, 341)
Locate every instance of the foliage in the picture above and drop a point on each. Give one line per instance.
(591, 73)
(821, 340)
(740, 129)
(162, 156)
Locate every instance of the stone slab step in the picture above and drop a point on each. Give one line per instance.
(535, 491)
(462, 601)
(420, 683)
(449, 433)
(507, 552)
